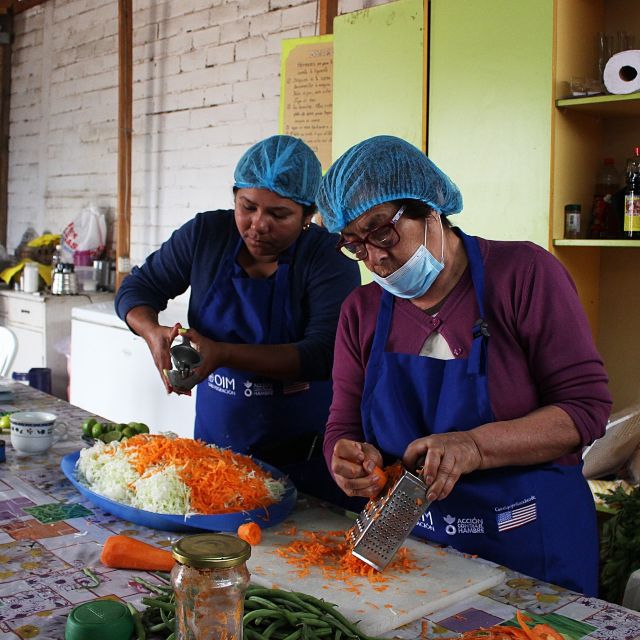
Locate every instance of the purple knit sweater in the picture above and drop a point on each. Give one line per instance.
(541, 351)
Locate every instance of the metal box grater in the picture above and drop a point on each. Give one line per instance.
(386, 521)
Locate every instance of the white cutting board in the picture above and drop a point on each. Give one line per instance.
(442, 578)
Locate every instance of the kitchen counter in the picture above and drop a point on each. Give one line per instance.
(43, 552)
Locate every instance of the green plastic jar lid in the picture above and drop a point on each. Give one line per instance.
(99, 620)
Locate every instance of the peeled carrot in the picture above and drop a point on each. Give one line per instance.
(381, 477)
(123, 552)
(522, 621)
(545, 632)
(250, 532)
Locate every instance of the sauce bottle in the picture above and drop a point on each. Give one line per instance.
(209, 580)
(632, 198)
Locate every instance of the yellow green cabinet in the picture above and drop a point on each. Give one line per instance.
(489, 119)
(500, 122)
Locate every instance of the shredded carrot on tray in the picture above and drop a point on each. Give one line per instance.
(522, 632)
(220, 481)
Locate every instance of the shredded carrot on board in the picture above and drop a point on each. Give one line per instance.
(220, 481)
(330, 552)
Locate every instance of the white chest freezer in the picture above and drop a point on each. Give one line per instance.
(113, 374)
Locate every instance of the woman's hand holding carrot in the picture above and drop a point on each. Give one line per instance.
(354, 468)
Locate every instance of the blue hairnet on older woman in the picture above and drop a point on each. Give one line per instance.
(382, 169)
(470, 360)
(266, 287)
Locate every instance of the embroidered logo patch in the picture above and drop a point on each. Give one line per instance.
(517, 514)
(463, 525)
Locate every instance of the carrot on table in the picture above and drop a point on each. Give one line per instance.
(124, 552)
(250, 532)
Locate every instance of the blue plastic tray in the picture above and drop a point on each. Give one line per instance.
(275, 514)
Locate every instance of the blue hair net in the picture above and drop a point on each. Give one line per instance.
(378, 170)
(282, 164)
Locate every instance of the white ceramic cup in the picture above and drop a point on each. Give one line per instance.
(34, 432)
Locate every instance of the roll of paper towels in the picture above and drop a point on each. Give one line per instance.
(622, 72)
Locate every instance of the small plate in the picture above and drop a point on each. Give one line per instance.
(228, 522)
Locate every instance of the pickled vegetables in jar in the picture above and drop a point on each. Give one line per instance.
(209, 579)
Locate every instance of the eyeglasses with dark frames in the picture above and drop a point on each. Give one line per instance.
(383, 237)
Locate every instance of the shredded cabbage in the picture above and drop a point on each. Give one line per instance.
(107, 470)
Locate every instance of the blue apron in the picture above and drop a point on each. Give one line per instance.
(538, 520)
(277, 422)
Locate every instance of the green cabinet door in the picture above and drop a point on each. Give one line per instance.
(490, 110)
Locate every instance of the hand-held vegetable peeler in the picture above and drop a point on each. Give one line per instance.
(387, 520)
(184, 358)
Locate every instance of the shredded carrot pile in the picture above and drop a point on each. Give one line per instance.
(524, 632)
(330, 552)
(220, 481)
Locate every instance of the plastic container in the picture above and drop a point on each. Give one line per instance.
(209, 580)
(572, 215)
(40, 378)
(99, 620)
(31, 278)
(86, 279)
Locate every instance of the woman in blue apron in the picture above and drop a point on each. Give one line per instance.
(501, 487)
(263, 310)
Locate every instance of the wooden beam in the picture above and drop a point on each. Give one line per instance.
(328, 11)
(6, 22)
(22, 5)
(125, 125)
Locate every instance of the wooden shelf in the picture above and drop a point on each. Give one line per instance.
(561, 242)
(604, 105)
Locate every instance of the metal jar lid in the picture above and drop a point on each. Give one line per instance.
(211, 551)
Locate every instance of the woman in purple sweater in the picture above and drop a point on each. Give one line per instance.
(472, 355)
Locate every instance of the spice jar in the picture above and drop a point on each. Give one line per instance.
(209, 579)
(572, 215)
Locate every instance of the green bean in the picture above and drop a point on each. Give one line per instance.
(95, 581)
(156, 588)
(137, 622)
(262, 613)
(169, 622)
(267, 603)
(161, 604)
(276, 624)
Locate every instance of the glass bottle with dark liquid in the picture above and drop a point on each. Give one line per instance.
(632, 198)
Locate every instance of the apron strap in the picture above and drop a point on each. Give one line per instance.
(477, 364)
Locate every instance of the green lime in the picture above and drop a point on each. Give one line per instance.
(129, 432)
(86, 426)
(110, 436)
(97, 429)
(5, 422)
(140, 427)
(121, 426)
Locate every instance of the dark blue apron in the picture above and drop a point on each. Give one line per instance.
(277, 422)
(537, 520)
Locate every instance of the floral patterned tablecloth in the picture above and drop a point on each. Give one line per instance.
(49, 533)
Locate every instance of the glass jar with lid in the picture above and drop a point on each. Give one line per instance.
(209, 579)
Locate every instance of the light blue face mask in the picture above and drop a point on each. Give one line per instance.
(417, 274)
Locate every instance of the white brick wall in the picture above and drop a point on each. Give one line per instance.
(206, 86)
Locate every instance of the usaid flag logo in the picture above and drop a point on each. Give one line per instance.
(517, 514)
